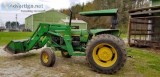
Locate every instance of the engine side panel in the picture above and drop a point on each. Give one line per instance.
(82, 33)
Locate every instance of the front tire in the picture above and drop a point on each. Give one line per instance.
(106, 53)
(47, 57)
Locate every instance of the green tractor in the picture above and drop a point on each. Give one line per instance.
(104, 50)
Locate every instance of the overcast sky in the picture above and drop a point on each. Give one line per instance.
(8, 11)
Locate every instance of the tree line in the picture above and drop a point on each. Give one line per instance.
(123, 7)
(12, 25)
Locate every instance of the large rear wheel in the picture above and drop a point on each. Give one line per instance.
(47, 57)
(106, 53)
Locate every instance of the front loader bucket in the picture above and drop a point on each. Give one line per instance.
(16, 46)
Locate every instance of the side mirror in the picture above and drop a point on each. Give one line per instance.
(70, 17)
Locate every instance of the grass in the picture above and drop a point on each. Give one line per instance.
(6, 37)
(123, 36)
(145, 62)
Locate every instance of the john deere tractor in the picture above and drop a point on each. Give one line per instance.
(104, 50)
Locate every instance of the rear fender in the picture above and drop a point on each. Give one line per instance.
(112, 32)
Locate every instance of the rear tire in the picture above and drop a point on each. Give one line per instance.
(106, 53)
(65, 54)
(47, 57)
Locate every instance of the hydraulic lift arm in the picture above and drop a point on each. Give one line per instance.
(39, 38)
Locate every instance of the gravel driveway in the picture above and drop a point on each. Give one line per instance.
(29, 65)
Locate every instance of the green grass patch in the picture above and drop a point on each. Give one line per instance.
(6, 37)
(123, 35)
(145, 62)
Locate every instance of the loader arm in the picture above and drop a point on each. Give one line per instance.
(40, 37)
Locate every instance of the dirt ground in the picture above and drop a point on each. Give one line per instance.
(29, 65)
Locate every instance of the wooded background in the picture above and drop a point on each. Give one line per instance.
(105, 22)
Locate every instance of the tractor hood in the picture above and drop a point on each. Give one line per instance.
(104, 31)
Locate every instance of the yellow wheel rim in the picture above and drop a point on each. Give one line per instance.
(45, 57)
(104, 55)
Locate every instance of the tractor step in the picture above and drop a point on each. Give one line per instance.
(16, 46)
(79, 54)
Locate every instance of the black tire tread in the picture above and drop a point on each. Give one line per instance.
(52, 57)
(114, 39)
